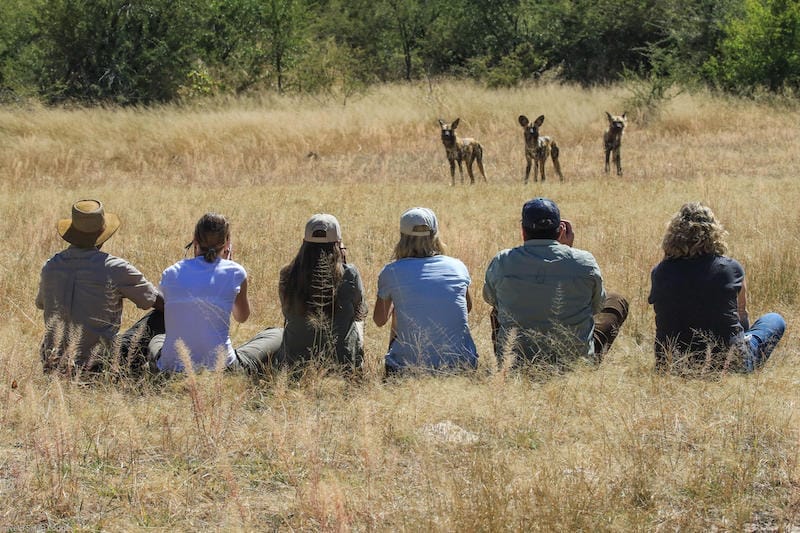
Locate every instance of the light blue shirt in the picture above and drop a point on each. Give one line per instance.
(430, 303)
(546, 294)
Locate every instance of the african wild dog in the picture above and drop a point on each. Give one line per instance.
(466, 149)
(538, 148)
(612, 140)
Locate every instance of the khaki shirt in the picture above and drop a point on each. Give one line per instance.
(81, 292)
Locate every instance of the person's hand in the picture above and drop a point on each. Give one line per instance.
(567, 235)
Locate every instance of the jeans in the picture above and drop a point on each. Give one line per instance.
(761, 339)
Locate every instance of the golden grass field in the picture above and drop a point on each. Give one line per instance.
(616, 448)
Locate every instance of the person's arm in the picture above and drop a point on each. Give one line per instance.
(567, 234)
(495, 324)
(241, 305)
(159, 303)
(382, 311)
(469, 301)
(741, 304)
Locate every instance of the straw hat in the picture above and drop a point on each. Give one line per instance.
(89, 226)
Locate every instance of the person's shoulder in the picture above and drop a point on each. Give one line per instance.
(729, 262)
(232, 266)
(350, 271)
(503, 254)
(582, 256)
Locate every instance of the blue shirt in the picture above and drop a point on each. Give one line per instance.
(430, 304)
(546, 294)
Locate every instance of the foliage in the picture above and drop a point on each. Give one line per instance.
(120, 51)
(762, 48)
(133, 52)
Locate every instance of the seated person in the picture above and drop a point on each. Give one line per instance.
(200, 295)
(81, 290)
(426, 294)
(322, 299)
(700, 301)
(549, 303)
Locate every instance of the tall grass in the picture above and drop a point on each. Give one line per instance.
(612, 448)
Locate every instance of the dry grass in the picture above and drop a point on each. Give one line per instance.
(616, 448)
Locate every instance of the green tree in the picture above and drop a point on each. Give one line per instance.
(124, 51)
(761, 48)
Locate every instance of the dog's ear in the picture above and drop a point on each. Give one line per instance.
(538, 122)
(623, 115)
(523, 121)
(442, 122)
(454, 125)
(610, 118)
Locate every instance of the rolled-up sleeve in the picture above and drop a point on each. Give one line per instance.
(133, 285)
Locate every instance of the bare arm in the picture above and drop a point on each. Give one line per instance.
(382, 311)
(469, 301)
(159, 303)
(241, 305)
(741, 304)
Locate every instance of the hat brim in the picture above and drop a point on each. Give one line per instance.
(88, 240)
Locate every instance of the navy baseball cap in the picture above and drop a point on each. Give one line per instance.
(541, 214)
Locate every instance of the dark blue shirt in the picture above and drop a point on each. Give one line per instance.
(695, 302)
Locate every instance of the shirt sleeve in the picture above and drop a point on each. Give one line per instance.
(599, 291)
(384, 292)
(489, 295)
(134, 286)
(358, 298)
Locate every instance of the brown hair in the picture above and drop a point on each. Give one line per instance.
(694, 231)
(310, 281)
(211, 233)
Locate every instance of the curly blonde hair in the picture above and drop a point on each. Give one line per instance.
(694, 231)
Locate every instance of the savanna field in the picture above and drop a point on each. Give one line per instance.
(613, 448)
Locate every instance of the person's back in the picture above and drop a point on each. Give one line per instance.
(549, 306)
(699, 296)
(429, 297)
(695, 303)
(545, 294)
(199, 296)
(81, 291)
(336, 338)
(426, 295)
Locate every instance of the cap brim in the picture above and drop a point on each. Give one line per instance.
(88, 240)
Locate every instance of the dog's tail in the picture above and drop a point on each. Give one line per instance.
(554, 151)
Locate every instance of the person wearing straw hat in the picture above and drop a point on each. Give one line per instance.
(426, 295)
(322, 299)
(81, 290)
(549, 305)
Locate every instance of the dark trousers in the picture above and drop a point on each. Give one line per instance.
(607, 323)
(133, 343)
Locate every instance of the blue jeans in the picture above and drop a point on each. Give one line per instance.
(761, 339)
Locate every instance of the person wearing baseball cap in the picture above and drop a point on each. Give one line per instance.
(322, 300)
(426, 295)
(81, 290)
(549, 305)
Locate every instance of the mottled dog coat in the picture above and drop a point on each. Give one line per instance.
(612, 140)
(458, 150)
(538, 148)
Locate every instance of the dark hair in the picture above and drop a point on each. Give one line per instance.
(211, 233)
(310, 281)
(530, 233)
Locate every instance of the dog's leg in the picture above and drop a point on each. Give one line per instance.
(469, 170)
(528, 171)
(608, 157)
(479, 159)
(461, 171)
(554, 155)
(618, 159)
(452, 171)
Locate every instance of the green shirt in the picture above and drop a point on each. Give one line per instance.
(546, 294)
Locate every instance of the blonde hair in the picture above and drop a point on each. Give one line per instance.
(418, 246)
(694, 231)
